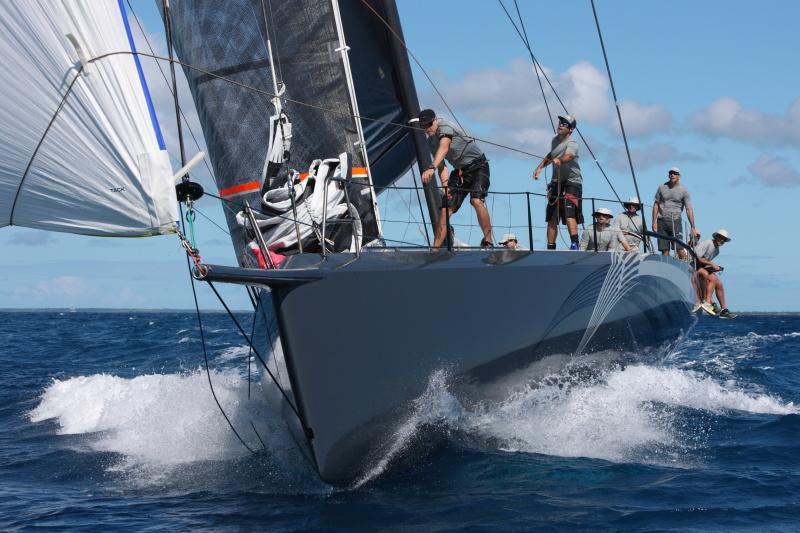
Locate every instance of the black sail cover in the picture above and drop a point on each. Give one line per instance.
(228, 39)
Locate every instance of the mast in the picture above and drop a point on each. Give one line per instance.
(344, 49)
(411, 103)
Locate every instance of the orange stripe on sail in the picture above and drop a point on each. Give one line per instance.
(241, 188)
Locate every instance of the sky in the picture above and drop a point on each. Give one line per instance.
(711, 87)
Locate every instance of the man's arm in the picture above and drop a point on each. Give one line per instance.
(690, 216)
(655, 215)
(542, 164)
(584, 240)
(438, 162)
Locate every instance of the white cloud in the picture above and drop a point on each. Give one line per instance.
(774, 171)
(62, 286)
(642, 119)
(508, 100)
(649, 156)
(726, 117)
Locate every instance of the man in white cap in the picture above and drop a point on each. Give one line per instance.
(670, 201)
(608, 238)
(629, 222)
(709, 282)
(565, 191)
(509, 240)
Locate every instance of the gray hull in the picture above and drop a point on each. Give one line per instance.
(362, 338)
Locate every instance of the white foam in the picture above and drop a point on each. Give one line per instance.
(233, 353)
(627, 416)
(158, 419)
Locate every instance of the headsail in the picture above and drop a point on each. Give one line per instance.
(229, 40)
(82, 151)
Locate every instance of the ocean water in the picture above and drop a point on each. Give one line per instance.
(107, 422)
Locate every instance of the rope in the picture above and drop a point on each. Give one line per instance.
(619, 114)
(205, 351)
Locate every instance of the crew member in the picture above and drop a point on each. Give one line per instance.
(629, 222)
(670, 201)
(564, 192)
(469, 176)
(708, 273)
(608, 238)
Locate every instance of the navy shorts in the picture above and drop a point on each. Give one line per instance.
(474, 182)
(569, 206)
(669, 227)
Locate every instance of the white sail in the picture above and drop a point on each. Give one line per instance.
(78, 155)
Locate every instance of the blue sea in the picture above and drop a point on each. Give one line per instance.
(107, 422)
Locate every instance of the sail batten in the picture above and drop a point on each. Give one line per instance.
(82, 148)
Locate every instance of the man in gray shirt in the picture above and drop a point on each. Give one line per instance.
(709, 282)
(629, 222)
(565, 190)
(609, 238)
(670, 201)
(470, 174)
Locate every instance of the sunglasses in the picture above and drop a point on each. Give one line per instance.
(674, 174)
(565, 124)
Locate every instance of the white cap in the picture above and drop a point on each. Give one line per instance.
(603, 211)
(722, 233)
(633, 200)
(676, 170)
(508, 237)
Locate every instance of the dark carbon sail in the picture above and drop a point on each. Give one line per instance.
(229, 40)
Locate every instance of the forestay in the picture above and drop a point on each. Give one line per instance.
(100, 167)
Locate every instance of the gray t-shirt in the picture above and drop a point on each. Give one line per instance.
(463, 148)
(707, 249)
(672, 201)
(631, 225)
(608, 238)
(570, 171)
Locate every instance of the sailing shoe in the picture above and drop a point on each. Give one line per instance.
(486, 244)
(573, 246)
(726, 314)
(696, 307)
(708, 308)
(715, 306)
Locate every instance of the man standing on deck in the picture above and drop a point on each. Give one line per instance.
(564, 192)
(670, 201)
(469, 176)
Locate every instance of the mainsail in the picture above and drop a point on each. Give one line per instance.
(224, 46)
(82, 151)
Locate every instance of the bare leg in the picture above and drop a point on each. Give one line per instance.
(665, 253)
(720, 290)
(483, 218)
(441, 228)
(712, 281)
(699, 283)
(552, 229)
(572, 226)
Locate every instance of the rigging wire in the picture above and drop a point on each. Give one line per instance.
(619, 114)
(564, 107)
(524, 37)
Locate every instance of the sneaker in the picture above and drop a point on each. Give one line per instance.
(708, 308)
(715, 306)
(726, 314)
(696, 307)
(486, 244)
(573, 246)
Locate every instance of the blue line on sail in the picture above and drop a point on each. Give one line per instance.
(147, 98)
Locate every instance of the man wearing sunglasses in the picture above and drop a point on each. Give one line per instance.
(564, 192)
(609, 238)
(670, 201)
(470, 174)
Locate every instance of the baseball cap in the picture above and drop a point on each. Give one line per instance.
(426, 117)
(675, 170)
(603, 211)
(723, 233)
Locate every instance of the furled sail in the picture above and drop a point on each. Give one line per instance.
(81, 149)
(226, 47)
